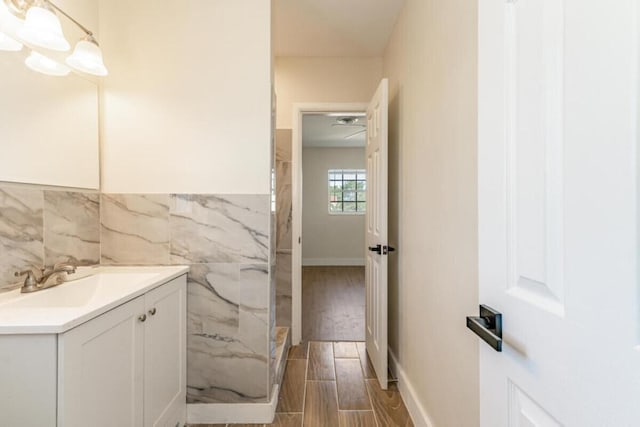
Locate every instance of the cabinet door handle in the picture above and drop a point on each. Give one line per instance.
(142, 317)
(152, 311)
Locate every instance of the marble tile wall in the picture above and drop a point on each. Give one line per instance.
(225, 241)
(40, 226)
(284, 239)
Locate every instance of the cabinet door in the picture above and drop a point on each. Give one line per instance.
(165, 355)
(100, 370)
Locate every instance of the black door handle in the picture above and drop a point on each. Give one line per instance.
(376, 248)
(488, 326)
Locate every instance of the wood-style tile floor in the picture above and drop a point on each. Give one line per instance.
(333, 303)
(333, 385)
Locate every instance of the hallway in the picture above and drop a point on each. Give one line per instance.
(333, 303)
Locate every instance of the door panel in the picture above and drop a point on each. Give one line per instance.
(165, 354)
(557, 191)
(524, 412)
(534, 147)
(376, 233)
(101, 362)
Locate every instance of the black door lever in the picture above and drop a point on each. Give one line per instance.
(376, 248)
(488, 326)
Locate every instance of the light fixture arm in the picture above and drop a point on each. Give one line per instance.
(70, 18)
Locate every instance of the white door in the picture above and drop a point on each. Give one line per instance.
(557, 190)
(165, 348)
(100, 366)
(376, 234)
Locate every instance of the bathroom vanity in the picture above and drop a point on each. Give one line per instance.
(105, 350)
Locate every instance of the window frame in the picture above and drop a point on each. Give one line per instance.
(343, 172)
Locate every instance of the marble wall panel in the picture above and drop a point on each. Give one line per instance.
(219, 229)
(283, 205)
(72, 227)
(284, 242)
(283, 145)
(283, 289)
(135, 229)
(228, 344)
(21, 232)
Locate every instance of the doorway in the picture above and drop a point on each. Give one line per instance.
(319, 255)
(334, 185)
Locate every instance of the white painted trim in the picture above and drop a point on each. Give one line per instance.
(223, 413)
(333, 261)
(417, 412)
(296, 202)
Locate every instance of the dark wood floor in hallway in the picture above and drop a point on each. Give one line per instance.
(333, 385)
(333, 303)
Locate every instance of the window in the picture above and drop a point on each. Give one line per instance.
(347, 191)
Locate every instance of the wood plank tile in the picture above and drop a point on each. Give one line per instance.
(367, 366)
(292, 393)
(321, 406)
(321, 361)
(352, 392)
(286, 420)
(388, 406)
(245, 425)
(333, 303)
(206, 425)
(356, 419)
(345, 350)
(298, 351)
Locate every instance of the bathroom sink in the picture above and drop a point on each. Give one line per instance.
(78, 293)
(65, 306)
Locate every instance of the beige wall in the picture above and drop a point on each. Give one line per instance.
(329, 239)
(187, 104)
(311, 79)
(431, 63)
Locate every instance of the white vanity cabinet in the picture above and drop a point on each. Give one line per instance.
(125, 367)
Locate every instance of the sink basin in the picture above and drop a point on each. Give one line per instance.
(65, 306)
(78, 293)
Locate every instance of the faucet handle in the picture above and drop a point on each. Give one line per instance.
(30, 281)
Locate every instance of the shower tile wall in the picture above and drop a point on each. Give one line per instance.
(225, 241)
(39, 227)
(284, 239)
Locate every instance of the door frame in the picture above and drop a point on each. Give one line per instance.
(299, 109)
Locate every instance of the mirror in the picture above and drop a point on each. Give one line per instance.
(49, 132)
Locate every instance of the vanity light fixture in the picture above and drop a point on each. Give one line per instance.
(87, 57)
(40, 63)
(41, 28)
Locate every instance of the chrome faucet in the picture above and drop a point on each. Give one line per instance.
(33, 284)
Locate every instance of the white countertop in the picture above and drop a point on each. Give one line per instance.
(60, 308)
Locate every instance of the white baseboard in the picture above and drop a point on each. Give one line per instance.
(332, 261)
(418, 413)
(223, 413)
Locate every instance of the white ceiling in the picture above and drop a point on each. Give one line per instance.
(319, 130)
(333, 27)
